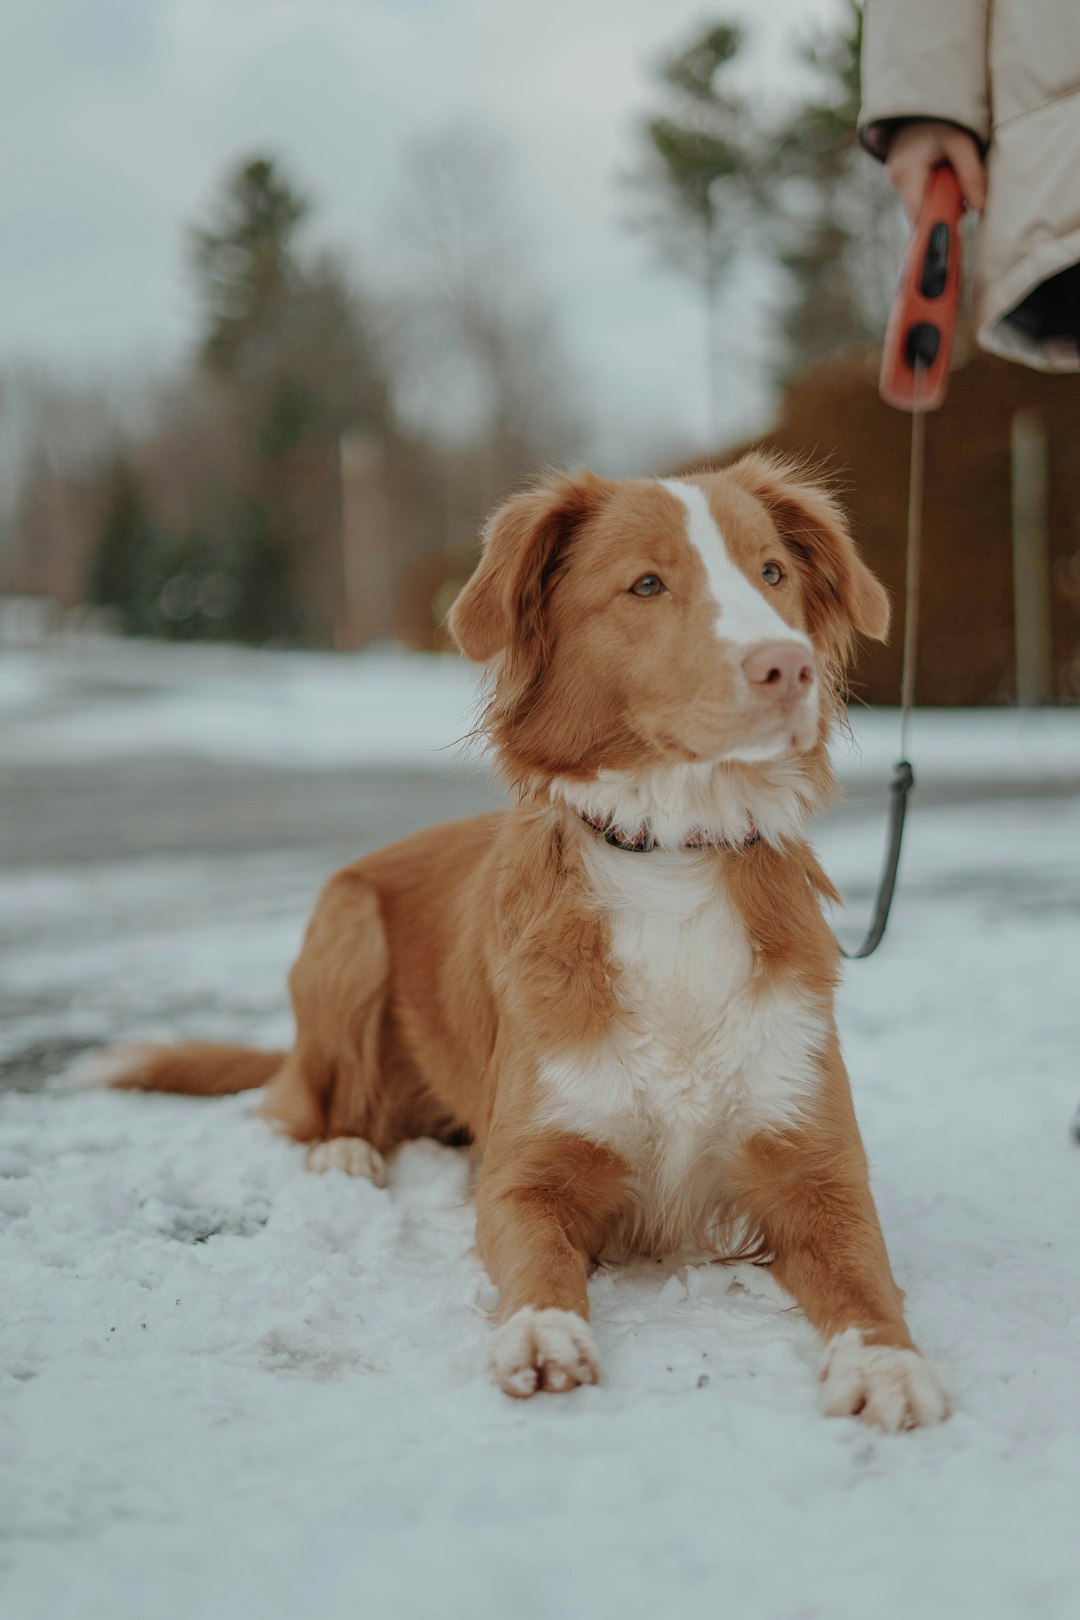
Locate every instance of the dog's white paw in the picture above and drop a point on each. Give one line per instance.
(352, 1155)
(887, 1387)
(543, 1349)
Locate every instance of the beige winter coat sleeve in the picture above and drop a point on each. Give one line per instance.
(1008, 71)
(925, 59)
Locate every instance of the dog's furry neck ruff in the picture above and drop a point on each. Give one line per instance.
(702, 806)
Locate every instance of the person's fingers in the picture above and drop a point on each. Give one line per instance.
(919, 147)
(963, 154)
(915, 149)
(909, 175)
(913, 190)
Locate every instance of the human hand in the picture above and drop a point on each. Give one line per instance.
(919, 147)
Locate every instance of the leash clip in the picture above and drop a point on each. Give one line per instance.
(903, 780)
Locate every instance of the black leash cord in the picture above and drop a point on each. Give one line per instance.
(901, 785)
(903, 775)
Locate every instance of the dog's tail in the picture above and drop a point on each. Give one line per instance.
(193, 1068)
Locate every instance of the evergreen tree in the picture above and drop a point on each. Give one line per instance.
(797, 189)
(289, 349)
(286, 332)
(702, 179)
(123, 561)
(245, 264)
(834, 220)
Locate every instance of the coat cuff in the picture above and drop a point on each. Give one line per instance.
(876, 138)
(924, 59)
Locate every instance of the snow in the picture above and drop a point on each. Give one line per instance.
(233, 704)
(232, 1388)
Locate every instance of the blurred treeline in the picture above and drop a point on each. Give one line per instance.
(319, 473)
(275, 491)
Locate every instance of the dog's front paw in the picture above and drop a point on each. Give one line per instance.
(885, 1386)
(543, 1349)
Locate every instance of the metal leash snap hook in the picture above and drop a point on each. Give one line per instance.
(903, 777)
(903, 780)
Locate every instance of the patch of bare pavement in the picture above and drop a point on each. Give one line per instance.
(127, 809)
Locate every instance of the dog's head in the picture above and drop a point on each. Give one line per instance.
(637, 623)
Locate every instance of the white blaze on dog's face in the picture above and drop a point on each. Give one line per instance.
(779, 689)
(649, 622)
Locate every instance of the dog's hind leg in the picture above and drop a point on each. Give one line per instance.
(352, 1154)
(330, 1092)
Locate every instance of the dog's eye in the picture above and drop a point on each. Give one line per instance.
(772, 573)
(647, 585)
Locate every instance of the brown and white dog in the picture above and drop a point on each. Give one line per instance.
(620, 990)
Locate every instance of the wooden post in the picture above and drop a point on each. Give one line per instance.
(366, 542)
(1031, 562)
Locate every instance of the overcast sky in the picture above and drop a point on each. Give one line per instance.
(118, 118)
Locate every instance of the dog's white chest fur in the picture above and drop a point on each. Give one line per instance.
(704, 1053)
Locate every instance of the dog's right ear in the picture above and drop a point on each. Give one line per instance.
(525, 542)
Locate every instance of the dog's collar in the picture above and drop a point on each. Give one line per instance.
(643, 840)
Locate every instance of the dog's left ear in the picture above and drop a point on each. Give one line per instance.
(840, 591)
(502, 603)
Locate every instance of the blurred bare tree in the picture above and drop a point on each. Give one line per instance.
(54, 430)
(478, 341)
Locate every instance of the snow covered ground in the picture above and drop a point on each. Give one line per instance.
(233, 1389)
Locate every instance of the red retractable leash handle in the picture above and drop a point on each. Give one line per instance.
(914, 376)
(918, 338)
